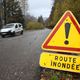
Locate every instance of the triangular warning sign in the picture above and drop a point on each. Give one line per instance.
(65, 37)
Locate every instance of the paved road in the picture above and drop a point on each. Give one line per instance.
(19, 55)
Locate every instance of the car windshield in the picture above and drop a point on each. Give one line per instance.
(8, 26)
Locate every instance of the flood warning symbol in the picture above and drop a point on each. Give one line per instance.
(67, 30)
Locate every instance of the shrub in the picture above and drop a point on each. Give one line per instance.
(34, 25)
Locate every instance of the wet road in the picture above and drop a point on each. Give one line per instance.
(19, 55)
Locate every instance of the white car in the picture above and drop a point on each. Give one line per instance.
(11, 29)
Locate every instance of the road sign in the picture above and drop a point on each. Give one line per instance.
(65, 37)
(60, 62)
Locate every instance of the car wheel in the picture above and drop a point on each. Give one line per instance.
(2, 36)
(21, 32)
(13, 33)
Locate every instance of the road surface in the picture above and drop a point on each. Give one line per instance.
(19, 55)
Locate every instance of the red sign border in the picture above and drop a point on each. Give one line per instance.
(45, 45)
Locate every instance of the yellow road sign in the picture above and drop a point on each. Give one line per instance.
(65, 37)
(60, 62)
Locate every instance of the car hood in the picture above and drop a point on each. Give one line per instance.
(5, 29)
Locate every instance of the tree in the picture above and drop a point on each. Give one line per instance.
(40, 19)
(29, 18)
(60, 6)
(76, 9)
(24, 6)
(12, 11)
(56, 12)
(1, 14)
